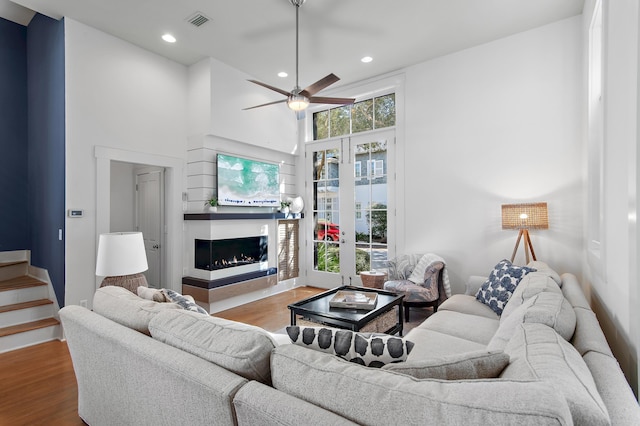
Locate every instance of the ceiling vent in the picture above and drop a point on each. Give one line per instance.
(198, 19)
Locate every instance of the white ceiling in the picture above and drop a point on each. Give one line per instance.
(258, 36)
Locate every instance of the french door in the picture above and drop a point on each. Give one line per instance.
(350, 185)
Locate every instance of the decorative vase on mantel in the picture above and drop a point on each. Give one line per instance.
(211, 205)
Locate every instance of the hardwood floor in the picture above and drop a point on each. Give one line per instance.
(38, 385)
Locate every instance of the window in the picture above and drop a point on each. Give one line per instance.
(358, 168)
(376, 168)
(358, 210)
(370, 114)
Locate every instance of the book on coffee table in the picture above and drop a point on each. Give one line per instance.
(354, 300)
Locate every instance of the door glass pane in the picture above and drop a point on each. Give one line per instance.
(370, 206)
(326, 210)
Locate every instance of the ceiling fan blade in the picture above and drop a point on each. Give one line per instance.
(319, 85)
(261, 105)
(275, 89)
(337, 101)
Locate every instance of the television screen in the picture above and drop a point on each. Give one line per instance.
(245, 182)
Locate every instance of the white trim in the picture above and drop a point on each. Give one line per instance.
(175, 180)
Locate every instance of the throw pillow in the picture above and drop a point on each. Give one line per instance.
(499, 287)
(371, 350)
(183, 301)
(154, 294)
(466, 366)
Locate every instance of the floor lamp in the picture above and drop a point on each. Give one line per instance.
(121, 260)
(524, 217)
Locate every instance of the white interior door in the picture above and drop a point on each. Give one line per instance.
(150, 208)
(349, 184)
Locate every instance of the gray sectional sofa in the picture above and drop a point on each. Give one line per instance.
(544, 361)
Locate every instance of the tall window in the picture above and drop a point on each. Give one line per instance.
(370, 114)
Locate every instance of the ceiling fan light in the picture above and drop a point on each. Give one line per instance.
(298, 102)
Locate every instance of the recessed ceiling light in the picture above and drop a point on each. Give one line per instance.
(282, 74)
(169, 38)
(367, 59)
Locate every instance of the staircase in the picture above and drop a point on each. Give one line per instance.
(26, 309)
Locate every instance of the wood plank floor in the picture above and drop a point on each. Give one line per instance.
(38, 385)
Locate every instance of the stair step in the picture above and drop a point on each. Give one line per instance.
(13, 269)
(22, 328)
(24, 281)
(22, 289)
(23, 312)
(25, 305)
(16, 337)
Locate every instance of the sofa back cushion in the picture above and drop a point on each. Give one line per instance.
(464, 366)
(378, 397)
(240, 348)
(543, 268)
(550, 309)
(120, 305)
(538, 353)
(532, 284)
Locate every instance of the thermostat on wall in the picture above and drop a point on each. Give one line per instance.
(76, 213)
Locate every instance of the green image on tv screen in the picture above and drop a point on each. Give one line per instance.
(245, 182)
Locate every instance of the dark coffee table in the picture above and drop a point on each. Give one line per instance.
(383, 318)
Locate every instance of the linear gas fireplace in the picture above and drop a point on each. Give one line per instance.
(213, 255)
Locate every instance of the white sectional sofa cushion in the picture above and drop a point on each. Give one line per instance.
(465, 366)
(538, 353)
(120, 305)
(240, 348)
(393, 398)
(550, 309)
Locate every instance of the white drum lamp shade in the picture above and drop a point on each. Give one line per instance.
(121, 258)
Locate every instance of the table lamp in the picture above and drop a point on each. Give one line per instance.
(121, 260)
(524, 217)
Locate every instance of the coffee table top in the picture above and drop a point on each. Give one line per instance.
(318, 306)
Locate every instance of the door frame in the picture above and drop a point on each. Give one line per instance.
(174, 194)
(346, 144)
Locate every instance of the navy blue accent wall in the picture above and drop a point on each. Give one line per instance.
(14, 225)
(46, 146)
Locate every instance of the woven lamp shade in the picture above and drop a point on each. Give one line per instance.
(525, 216)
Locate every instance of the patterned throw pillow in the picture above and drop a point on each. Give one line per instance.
(183, 302)
(371, 350)
(503, 280)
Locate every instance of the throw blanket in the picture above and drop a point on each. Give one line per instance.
(426, 262)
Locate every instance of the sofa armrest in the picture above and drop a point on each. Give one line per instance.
(474, 283)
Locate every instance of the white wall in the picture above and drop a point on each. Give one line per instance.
(614, 283)
(498, 123)
(123, 197)
(222, 92)
(123, 98)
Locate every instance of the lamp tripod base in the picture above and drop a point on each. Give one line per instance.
(528, 247)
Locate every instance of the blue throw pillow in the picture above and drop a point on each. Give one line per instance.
(503, 280)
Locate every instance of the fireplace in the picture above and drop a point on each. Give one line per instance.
(213, 255)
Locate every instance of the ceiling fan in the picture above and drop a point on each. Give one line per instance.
(299, 99)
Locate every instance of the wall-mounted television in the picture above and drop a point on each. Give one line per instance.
(246, 182)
